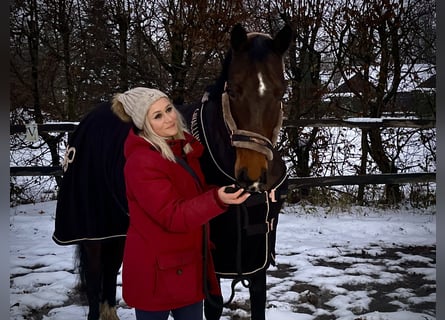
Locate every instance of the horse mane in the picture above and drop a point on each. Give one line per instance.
(217, 89)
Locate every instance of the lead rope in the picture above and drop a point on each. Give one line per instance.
(239, 278)
(205, 247)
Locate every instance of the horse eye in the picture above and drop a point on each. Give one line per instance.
(231, 93)
(234, 91)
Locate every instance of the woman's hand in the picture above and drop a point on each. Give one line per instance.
(230, 197)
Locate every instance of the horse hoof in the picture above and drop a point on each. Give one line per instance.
(107, 312)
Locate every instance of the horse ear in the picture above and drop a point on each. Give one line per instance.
(282, 40)
(238, 37)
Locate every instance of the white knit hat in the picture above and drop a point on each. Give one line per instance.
(137, 101)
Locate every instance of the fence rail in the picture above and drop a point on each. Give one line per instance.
(362, 123)
(399, 178)
(47, 127)
(384, 178)
(35, 171)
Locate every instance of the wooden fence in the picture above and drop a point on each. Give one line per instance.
(399, 178)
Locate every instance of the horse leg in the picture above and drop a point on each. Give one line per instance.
(112, 255)
(90, 271)
(257, 290)
(213, 309)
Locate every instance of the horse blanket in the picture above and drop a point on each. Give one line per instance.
(91, 203)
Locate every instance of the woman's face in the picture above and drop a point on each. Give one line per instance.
(163, 118)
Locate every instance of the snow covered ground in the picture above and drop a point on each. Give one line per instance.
(357, 263)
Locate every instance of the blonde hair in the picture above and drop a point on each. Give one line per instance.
(158, 142)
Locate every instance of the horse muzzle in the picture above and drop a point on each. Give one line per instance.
(251, 170)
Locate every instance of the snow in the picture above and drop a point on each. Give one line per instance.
(312, 242)
(378, 120)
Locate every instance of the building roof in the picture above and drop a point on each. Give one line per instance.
(413, 77)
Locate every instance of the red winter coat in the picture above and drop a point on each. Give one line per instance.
(163, 262)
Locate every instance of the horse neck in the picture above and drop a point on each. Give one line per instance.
(219, 158)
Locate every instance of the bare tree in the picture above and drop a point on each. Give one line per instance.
(182, 40)
(373, 40)
(26, 41)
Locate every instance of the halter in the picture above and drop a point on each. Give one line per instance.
(249, 139)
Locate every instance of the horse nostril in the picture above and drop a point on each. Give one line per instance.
(260, 185)
(243, 179)
(248, 184)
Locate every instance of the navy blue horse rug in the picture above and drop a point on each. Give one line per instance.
(91, 202)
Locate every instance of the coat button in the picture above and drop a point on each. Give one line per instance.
(179, 272)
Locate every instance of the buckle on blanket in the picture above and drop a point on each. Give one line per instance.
(272, 195)
(260, 198)
(270, 225)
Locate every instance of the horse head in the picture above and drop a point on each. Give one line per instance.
(251, 102)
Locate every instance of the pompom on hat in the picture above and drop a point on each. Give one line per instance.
(132, 105)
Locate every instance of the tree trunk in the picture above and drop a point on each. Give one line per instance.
(363, 162)
(392, 191)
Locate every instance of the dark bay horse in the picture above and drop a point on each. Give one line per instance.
(238, 121)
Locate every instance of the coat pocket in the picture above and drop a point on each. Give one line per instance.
(179, 276)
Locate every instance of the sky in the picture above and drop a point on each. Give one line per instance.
(343, 264)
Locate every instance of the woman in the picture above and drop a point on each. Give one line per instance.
(169, 203)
